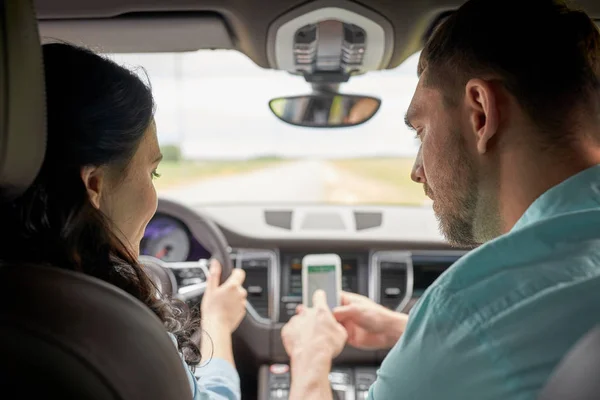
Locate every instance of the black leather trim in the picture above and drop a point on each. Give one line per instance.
(82, 331)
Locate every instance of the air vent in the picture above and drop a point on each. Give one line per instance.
(393, 279)
(257, 283)
(428, 267)
(393, 287)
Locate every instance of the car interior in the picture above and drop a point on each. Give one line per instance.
(66, 330)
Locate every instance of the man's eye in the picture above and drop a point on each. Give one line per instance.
(155, 174)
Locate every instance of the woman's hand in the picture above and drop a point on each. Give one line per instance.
(222, 310)
(224, 305)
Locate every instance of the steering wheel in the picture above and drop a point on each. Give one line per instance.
(204, 229)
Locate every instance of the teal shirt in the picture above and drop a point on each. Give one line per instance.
(496, 324)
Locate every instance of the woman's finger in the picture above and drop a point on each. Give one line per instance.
(215, 275)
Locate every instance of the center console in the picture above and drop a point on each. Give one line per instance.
(384, 276)
(355, 278)
(346, 383)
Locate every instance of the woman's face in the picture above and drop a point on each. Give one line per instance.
(128, 198)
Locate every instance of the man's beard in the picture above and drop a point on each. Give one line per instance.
(455, 205)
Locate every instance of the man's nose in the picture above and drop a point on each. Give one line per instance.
(418, 172)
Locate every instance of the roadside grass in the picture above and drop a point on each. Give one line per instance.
(175, 173)
(393, 173)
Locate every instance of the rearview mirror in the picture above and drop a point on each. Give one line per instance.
(325, 110)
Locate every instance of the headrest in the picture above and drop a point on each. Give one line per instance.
(75, 336)
(576, 377)
(22, 98)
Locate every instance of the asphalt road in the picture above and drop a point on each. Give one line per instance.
(298, 182)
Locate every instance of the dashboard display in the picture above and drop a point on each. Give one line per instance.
(169, 240)
(349, 274)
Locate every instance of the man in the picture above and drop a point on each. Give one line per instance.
(508, 113)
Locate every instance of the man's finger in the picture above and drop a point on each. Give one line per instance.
(299, 309)
(319, 299)
(345, 299)
(349, 298)
(345, 313)
(237, 277)
(215, 275)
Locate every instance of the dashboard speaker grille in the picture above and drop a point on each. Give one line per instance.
(367, 220)
(279, 219)
(257, 284)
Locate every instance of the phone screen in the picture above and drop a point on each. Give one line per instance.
(322, 277)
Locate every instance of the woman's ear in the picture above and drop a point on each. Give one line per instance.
(93, 179)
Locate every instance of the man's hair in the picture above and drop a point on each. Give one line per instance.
(545, 53)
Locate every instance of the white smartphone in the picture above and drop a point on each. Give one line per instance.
(322, 271)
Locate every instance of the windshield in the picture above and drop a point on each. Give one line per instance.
(222, 144)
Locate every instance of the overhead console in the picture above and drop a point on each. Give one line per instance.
(329, 41)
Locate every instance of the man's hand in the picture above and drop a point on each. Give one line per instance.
(312, 339)
(314, 330)
(369, 325)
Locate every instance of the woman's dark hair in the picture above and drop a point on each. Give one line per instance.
(97, 114)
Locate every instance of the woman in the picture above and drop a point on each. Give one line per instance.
(89, 206)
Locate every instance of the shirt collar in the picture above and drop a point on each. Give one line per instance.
(577, 193)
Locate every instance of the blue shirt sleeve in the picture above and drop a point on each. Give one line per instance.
(440, 355)
(217, 380)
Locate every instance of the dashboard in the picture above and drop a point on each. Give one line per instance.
(392, 278)
(391, 255)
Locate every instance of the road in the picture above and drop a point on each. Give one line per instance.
(297, 182)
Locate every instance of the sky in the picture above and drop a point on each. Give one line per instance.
(214, 105)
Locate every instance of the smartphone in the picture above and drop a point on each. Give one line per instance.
(322, 271)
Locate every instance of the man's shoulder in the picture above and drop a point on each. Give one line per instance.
(567, 239)
(501, 312)
(516, 269)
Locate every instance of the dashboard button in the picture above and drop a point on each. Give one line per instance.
(278, 369)
(279, 394)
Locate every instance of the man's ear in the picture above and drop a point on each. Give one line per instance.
(94, 181)
(482, 106)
